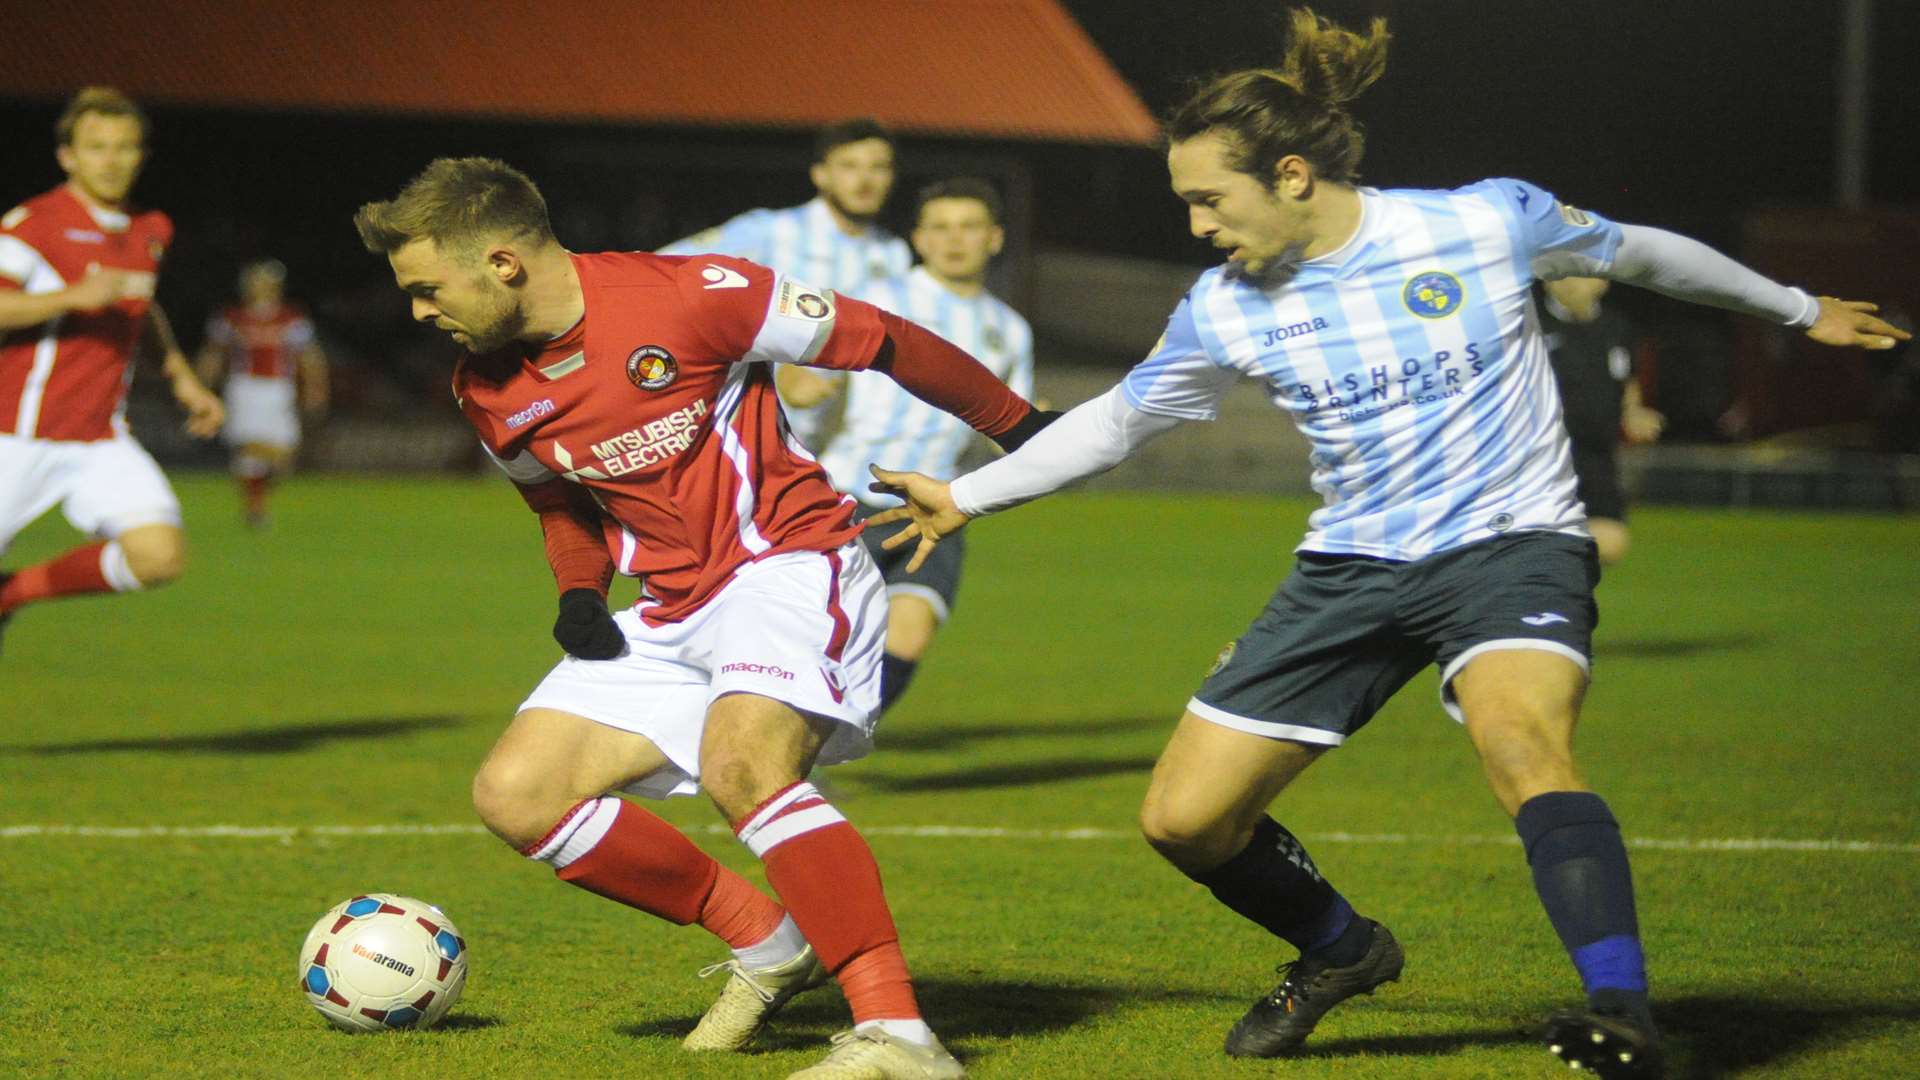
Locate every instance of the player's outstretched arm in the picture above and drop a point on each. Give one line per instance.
(1689, 270)
(943, 375)
(1090, 439)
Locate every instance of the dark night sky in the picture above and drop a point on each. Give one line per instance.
(1684, 114)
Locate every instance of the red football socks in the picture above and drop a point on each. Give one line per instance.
(613, 848)
(75, 573)
(253, 490)
(739, 914)
(826, 875)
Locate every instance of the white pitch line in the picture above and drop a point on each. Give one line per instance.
(960, 832)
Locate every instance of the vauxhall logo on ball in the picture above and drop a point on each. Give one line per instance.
(651, 367)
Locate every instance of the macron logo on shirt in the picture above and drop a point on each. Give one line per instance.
(529, 414)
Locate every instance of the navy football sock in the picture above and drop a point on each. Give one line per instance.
(1274, 883)
(895, 673)
(1580, 871)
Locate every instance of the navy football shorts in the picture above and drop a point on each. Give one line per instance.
(1344, 632)
(937, 582)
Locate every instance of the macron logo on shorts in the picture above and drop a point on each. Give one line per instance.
(772, 671)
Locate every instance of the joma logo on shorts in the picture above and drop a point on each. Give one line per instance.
(383, 960)
(771, 670)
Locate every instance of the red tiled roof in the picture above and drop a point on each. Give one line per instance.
(1001, 68)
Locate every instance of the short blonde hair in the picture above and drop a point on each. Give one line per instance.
(459, 204)
(101, 101)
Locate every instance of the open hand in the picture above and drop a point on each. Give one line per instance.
(205, 412)
(929, 512)
(1851, 322)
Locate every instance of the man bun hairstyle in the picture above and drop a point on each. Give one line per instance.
(1297, 108)
(100, 100)
(460, 204)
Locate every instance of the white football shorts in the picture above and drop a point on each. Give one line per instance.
(261, 411)
(104, 488)
(806, 628)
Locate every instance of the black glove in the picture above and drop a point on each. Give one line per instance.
(1016, 436)
(585, 628)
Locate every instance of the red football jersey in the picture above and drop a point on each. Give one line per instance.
(67, 377)
(263, 344)
(661, 402)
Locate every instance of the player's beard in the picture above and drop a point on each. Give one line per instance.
(497, 328)
(858, 218)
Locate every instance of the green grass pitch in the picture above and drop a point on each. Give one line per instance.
(1755, 679)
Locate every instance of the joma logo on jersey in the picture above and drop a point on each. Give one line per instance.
(1292, 330)
(383, 959)
(529, 414)
(653, 442)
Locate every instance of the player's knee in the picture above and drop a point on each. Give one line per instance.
(737, 783)
(1188, 840)
(513, 803)
(1614, 548)
(155, 557)
(911, 626)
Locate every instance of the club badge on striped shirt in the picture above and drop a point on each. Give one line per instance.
(1433, 294)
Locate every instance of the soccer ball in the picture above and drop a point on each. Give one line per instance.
(382, 961)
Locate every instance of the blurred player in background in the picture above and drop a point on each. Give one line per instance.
(77, 271)
(1592, 352)
(630, 396)
(1396, 327)
(265, 349)
(957, 232)
(833, 241)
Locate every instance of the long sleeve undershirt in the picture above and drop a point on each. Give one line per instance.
(1103, 432)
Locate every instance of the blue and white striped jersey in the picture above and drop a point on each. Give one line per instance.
(805, 243)
(1411, 359)
(884, 424)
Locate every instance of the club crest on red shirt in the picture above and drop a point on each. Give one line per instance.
(651, 367)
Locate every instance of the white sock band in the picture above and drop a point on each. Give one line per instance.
(777, 948)
(799, 809)
(114, 567)
(577, 833)
(914, 1031)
